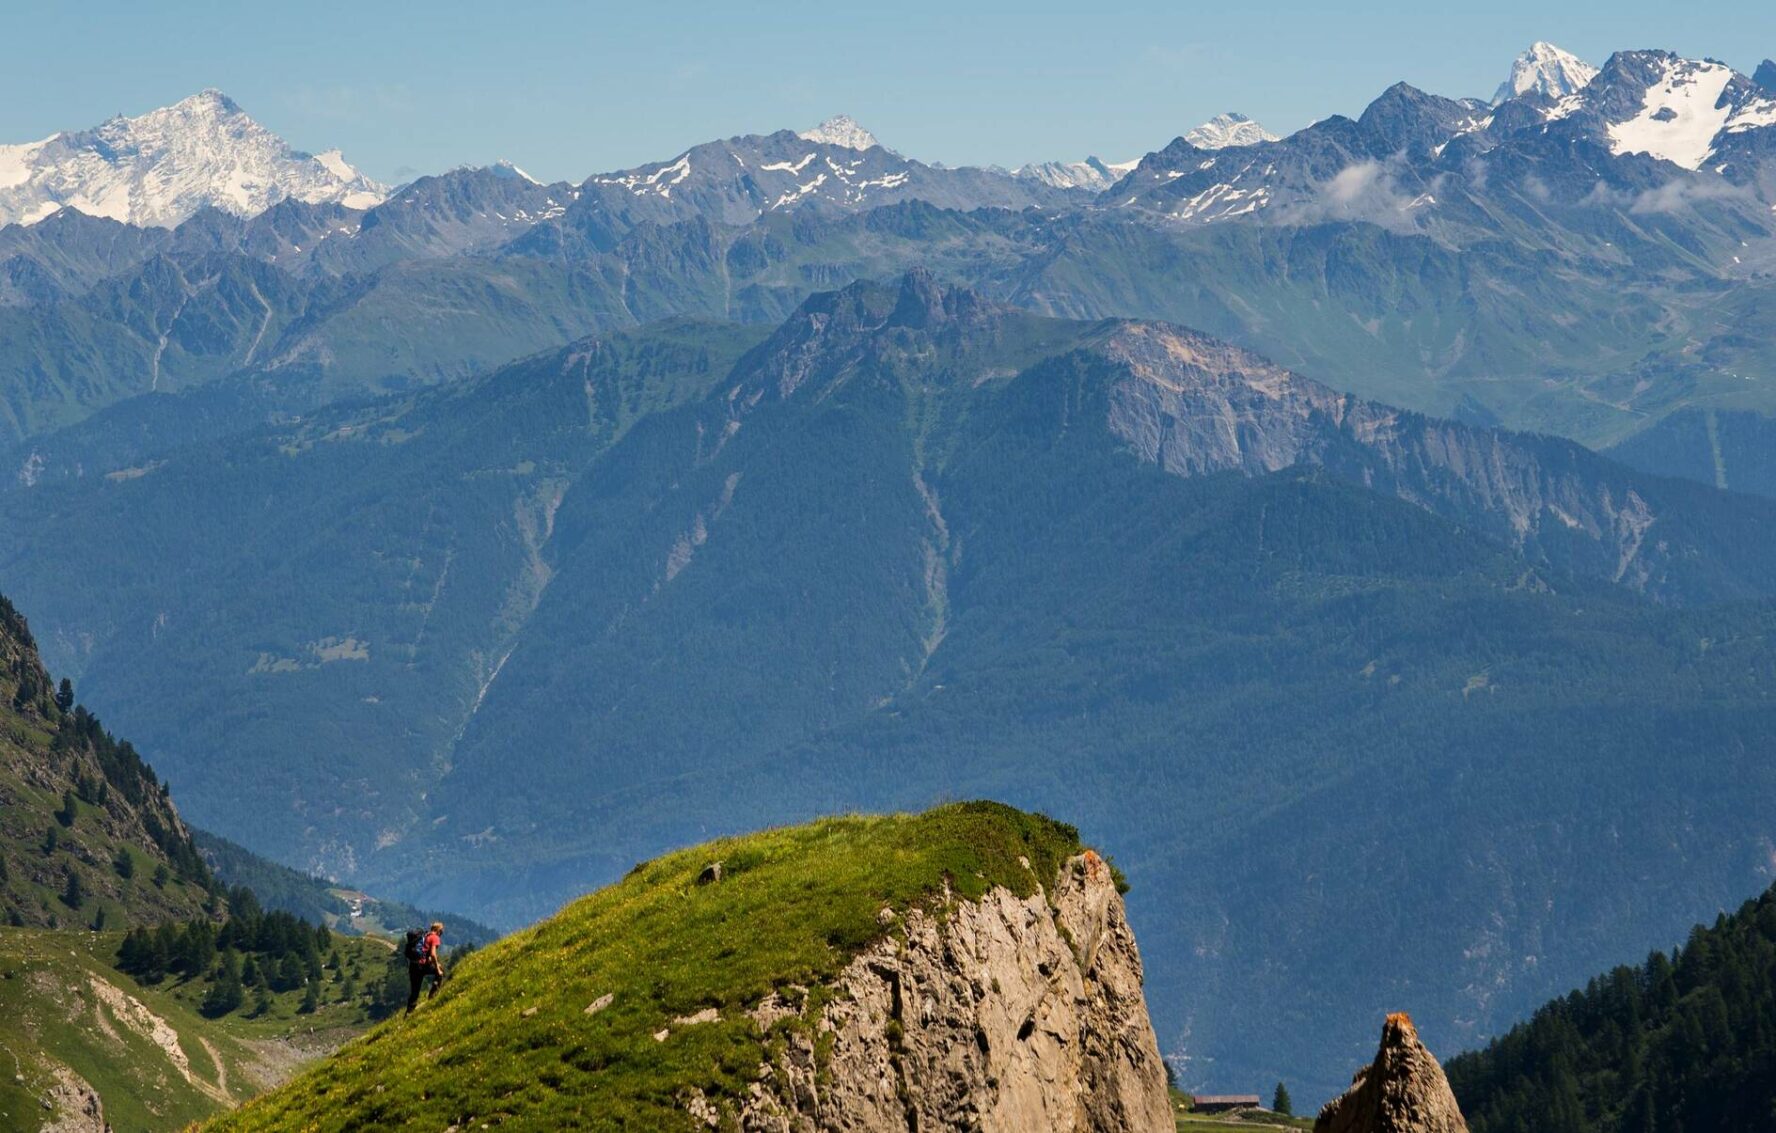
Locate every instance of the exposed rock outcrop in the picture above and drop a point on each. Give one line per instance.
(1194, 406)
(1003, 1014)
(1402, 1091)
(74, 1106)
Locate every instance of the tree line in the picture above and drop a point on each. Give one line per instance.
(253, 949)
(258, 953)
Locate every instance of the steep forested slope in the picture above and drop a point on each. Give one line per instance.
(322, 902)
(1728, 449)
(125, 996)
(1686, 1041)
(88, 835)
(415, 529)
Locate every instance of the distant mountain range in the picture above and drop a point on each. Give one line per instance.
(1096, 175)
(1583, 264)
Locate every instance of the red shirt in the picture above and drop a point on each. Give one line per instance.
(432, 944)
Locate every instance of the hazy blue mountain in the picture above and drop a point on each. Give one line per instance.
(484, 646)
(737, 180)
(67, 253)
(1733, 449)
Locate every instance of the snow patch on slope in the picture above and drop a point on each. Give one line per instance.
(1682, 114)
(16, 162)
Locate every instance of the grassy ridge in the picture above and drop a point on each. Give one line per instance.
(510, 1036)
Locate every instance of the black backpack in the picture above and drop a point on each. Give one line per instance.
(416, 947)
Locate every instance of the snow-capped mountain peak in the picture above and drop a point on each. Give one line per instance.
(162, 166)
(841, 130)
(1545, 70)
(504, 168)
(1226, 130)
(1093, 174)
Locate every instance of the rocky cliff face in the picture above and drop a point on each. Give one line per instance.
(1402, 1091)
(1194, 405)
(1004, 1014)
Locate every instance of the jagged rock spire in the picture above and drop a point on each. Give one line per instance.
(1402, 1091)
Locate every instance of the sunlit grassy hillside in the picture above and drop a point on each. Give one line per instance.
(518, 1033)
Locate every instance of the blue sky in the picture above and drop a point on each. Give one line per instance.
(566, 89)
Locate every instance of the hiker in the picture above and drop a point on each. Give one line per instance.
(423, 962)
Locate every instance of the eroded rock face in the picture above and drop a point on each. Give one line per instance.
(1193, 405)
(1402, 1091)
(73, 1106)
(1005, 1015)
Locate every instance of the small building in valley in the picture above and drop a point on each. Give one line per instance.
(1223, 1103)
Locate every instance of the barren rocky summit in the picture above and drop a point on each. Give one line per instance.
(1402, 1091)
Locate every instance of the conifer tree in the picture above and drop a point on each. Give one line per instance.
(289, 973)
(1280, 1103)
(224, 995)
(132, 954)
(74, 892)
